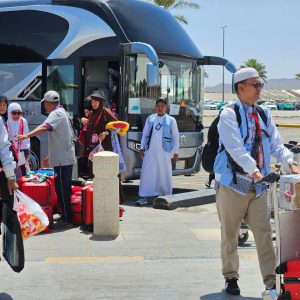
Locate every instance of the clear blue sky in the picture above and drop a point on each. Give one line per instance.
(267, 30)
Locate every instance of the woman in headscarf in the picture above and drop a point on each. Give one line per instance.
(17, 125)
(95, 132)
(3, 108)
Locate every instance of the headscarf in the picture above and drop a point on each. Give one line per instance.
(13, 127)
(4, 99)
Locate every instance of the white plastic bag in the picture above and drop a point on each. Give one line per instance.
(97, 149)
(31, 216)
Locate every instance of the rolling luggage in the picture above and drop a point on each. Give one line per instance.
(291, 279)
(87, 207)
(48, 209)
(12, 241)
(76, 208)
(41, 192)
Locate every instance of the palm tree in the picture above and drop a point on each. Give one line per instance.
(259, 67)
(297, 76)
(176, 4)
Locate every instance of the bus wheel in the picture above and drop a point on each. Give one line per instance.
(33, 161)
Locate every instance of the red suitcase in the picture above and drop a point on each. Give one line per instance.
(87, 207)
(76, 208)
(41, 192)
(291, 280)
(48, 209)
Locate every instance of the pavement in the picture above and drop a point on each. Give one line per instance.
(159, 254)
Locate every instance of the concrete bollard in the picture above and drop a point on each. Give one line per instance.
(106, 194)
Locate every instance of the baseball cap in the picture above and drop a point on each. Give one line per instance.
(51, 96)
(243, 74)
(100, 94)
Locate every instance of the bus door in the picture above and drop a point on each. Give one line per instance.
(104, 74)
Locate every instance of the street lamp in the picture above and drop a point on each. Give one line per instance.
(223, 28)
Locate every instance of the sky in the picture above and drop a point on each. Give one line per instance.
(267, 30)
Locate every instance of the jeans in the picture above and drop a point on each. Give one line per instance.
(63, 188)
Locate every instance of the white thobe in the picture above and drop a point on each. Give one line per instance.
(156, 175)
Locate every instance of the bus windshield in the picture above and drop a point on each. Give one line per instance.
(180, 84)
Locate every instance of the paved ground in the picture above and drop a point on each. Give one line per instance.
(165, 255)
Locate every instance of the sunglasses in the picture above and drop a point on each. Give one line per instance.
(16, 113)
(257, 85)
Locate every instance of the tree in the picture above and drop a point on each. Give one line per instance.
(259, 67)
(297, 76)
(176, 4)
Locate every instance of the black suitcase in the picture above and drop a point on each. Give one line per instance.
(12, 241)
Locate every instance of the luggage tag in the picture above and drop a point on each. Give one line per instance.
(95, 138)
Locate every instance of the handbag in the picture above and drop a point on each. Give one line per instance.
(12, 241)
(78, 148)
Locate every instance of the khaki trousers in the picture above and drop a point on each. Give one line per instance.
(232, 209)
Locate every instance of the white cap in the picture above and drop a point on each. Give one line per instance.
(100, 94)
(243, 74)
(51, 96)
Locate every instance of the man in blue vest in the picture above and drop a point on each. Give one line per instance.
(159, 146)
(243, 158)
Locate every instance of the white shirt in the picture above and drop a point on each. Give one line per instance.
(6, 156)
(230, 136)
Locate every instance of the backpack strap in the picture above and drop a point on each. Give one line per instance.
(262, 114)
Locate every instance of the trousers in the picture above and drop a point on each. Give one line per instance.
(63, 188)
(232, 209)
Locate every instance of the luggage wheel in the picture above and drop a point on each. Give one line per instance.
(243, 237)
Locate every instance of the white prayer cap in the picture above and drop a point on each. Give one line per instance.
(243, 74)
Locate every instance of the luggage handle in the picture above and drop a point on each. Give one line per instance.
(271, 178)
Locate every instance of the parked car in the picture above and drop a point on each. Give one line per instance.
(285, 106)
(220, 105)
(270, 105)
(209, 105)
(297, 105)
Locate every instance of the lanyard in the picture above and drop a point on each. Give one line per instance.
(99, 118)
(21, 131)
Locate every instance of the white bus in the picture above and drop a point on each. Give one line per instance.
(135, 49)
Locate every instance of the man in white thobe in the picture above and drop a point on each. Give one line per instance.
(159, 146)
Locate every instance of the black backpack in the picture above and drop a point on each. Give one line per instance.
(210, 149)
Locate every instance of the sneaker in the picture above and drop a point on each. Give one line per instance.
(141, 201)
(270, 293)
(231, 286)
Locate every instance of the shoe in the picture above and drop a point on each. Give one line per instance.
(231, 286)
(270, 293)
(207, 184)
(63, 224)
(141, 201)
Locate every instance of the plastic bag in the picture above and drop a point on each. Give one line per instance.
(97, 149)
(31, 216)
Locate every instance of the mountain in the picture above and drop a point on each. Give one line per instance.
(272, 84)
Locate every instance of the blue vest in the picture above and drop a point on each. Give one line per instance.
(167, 140)
(222, 171)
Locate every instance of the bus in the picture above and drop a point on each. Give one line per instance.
(134, 49)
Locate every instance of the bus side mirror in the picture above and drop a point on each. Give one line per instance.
(152, 75)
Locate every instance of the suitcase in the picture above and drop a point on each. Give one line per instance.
(12, 241)
(41, 192)
(76, 208)
(48, 209)
(291, 280)
(87, 208)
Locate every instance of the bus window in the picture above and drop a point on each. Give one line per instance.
(30, 34)
(61, 79)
